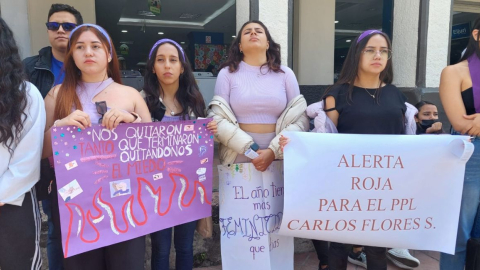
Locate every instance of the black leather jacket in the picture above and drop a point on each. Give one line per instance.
(39, 70)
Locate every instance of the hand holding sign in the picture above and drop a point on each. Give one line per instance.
(77, 118)
(212, 126)
(264, 159)
(113, 117)
(283, 141)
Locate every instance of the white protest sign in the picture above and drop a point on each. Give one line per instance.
(251, 210)
(394, 191)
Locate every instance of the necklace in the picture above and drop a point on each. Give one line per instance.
(172, 112)
(372, 95)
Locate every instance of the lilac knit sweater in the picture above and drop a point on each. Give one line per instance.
(257, 96)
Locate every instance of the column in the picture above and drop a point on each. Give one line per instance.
(438, 40)
(314, 41)
(274, 14)
(405, 42)
(243, 12)
(15, 14)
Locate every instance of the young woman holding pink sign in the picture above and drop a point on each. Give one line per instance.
(92, 75)
(172, 94)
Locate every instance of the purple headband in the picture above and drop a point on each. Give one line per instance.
(366, 33)
(161, 41)
(99, 28)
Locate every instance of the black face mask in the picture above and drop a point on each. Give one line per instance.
(427, 123)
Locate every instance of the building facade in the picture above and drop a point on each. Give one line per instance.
(425, 33)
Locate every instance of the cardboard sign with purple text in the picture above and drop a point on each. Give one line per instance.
(251, 212)
(137, 179)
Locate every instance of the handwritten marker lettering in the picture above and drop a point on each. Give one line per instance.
(100, 179)
(175, 162)
(131, 176)
(174, 170)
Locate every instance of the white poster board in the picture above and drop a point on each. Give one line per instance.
(251, 210)
(394, 191)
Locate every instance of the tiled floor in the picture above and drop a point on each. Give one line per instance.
(308, 261)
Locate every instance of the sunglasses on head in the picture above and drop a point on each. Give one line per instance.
(101, 109)
(55, 25)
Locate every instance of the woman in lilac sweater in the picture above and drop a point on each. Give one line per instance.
(258, 89)
(256, 99)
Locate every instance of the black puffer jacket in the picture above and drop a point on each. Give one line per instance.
(39, 70)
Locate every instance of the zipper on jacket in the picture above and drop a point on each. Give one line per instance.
(50, 73)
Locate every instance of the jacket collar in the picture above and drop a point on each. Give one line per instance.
(45, 58)
(218, 100)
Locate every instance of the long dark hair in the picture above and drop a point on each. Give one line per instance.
(422, 103)
(13, 95)
(350, 67)
(188, 93)
(67, 95)
(274, 60)
(472, 46)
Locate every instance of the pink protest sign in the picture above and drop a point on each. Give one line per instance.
(134, 180)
